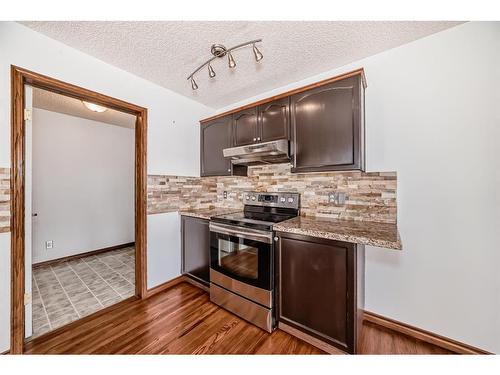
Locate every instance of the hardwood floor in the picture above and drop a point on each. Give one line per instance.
(182, 320)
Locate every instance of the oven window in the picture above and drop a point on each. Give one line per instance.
(239, 259)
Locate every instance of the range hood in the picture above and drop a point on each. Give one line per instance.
(259, 153)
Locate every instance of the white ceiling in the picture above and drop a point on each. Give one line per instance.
(167, 52)
(54, 102)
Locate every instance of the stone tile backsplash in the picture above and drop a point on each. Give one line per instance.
(174, 193)
(369, 196)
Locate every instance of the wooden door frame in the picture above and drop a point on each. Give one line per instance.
(19, 78)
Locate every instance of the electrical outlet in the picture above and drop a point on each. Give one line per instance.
(49, 244)
(332, 198)
(225, 194)
(337, 198)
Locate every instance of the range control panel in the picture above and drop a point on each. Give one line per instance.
(289, 200)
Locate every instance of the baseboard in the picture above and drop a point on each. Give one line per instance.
(423, 335)
(169, 284)
(5, 352)
(82, 255)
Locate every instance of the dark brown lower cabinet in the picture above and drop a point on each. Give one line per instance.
(321, 288)
(196, 248)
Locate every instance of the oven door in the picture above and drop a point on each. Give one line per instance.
(242, 254)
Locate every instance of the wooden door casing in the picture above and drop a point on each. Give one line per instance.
(19, 78)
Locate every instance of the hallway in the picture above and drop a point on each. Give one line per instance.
(66, 291)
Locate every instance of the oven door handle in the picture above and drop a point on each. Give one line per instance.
(244, 233)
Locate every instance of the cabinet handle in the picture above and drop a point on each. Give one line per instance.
(276, 239)
(254, 139)
(258, 138)
(229, 170)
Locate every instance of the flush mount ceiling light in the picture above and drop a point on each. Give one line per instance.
(219, 51)
(94, 107)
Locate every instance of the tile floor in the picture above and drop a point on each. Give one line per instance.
(67, 291)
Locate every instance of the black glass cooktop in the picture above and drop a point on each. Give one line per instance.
(258, 218)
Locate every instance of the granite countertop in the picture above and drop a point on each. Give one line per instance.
(208, 213)
(362, 232)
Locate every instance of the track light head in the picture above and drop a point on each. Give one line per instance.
(211, 71)
(194, 86)
(230, 60)
(258, 55)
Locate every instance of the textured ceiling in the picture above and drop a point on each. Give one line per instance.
(167, 52)
(64, 104)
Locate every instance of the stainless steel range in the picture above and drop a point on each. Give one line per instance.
(242, 256)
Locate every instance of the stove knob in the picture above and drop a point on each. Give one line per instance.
(290, 200)
(253, 197)
(283, 199)
(247, 197)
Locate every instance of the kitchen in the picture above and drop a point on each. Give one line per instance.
(314, 212)
(247, 258)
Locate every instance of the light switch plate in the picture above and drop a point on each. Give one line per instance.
(49, 244)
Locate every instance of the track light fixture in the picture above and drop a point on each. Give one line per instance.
(219, 51)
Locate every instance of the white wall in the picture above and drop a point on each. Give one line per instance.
(172, 149)
(83, 185)
(164, 256)
(433, 115)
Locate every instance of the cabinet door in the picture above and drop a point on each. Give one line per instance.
(245, 127)
(215, 136)
(328, 128)
(196, 248)
(314, 279)
(274, 120)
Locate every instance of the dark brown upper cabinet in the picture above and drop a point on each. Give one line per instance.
(263, 123)
(245, 127)
(324, 122)
(214, 137)
(328, 127)
(274, 120)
